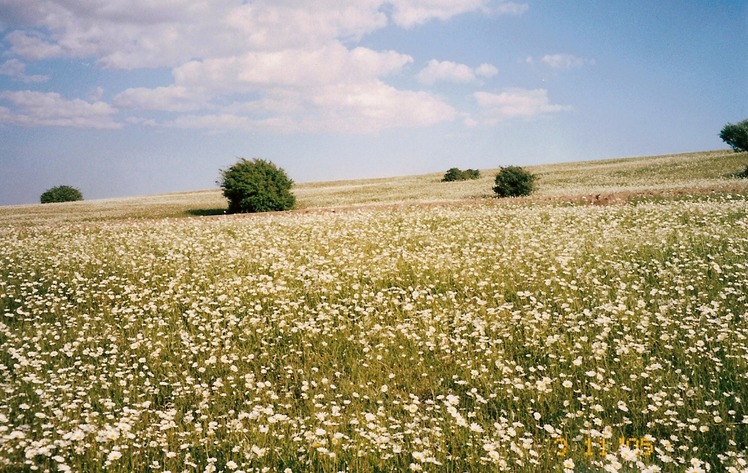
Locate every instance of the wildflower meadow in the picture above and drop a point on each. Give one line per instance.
(518, 336)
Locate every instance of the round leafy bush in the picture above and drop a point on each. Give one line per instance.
(256, 186)
(514, 181)
(61, 194)
(736, 135)
(471, 174)
(452, 174)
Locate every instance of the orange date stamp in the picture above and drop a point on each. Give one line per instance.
(600, 447)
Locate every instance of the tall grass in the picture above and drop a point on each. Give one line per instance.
(522, 337)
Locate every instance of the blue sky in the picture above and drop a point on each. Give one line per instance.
(133, 97)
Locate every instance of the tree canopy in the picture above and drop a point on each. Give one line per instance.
(61, 194)
(736, 135)
(256, 185)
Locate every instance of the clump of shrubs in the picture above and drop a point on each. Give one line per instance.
(61, 194)
(256, 186)
(514, 181)
(455, 174)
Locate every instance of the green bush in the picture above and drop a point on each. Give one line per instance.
(743, 174)
(455, 174)
(514, 181)
(452, 174)
(471, 174)
(736, 135)
(256, 186)
(61, 194)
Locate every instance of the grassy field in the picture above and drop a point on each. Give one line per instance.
(387, 325)
(623, 179)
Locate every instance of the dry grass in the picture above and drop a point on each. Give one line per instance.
(603, 181)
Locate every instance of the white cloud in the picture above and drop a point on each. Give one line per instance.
(445, 71)
(33, 45)
(410, 13)
(50, 109)
(119, 33)
(130, 34)
(169, 99)
(125, 34)
(516, 103)
(331, 88)
(96, 94)
(343, 108)
(453, 72)
(227, 121)
(266, 64)
(16, 70)
(486, 70)
(375, 106)
(291, 67)
(512, 8)
(561, 61)
(272, 25)
(564, 61)
(6, 116)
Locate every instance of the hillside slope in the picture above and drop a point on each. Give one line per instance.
(588, 181)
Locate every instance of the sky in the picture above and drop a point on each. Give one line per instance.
(136, 97)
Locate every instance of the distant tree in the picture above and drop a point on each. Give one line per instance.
(471, 174)
(452, 174)
(61, 194)
(455, 174)
(256, 186)
(736, 135)
(514, 181)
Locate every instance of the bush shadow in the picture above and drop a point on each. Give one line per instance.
(205, 212)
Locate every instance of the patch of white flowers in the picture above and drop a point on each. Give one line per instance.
(519, 337)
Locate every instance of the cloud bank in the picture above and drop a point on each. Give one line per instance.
(266, 65)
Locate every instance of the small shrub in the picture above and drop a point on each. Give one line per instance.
(736, 135)
(256, 186)
(61, 194)
(455, 174)
(514, 181)
(472, 174)
(452, 174)
(743, 174)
